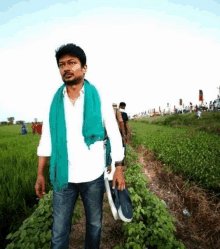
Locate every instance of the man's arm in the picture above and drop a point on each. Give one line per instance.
(111, 125)
(128, 131)
(117, 150)
(42, 162)
(121, 123)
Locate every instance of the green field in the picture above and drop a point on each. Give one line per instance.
(187, 145)
(18, 174)
(151, 224)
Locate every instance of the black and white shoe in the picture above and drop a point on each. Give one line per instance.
(112, 198)
(125, 210)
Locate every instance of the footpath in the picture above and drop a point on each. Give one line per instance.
(199, 226)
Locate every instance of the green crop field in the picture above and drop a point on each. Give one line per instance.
(187, 145)
(183, 143)
(18, 174)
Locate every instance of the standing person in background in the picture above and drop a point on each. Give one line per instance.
(39, 128)
(24, 129)
(121, 127)
(122, 106)
(119, 121)
(33, 128)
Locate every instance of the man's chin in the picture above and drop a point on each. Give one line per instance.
(72, 82)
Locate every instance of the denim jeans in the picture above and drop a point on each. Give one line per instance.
(63, 205)
(124, 145)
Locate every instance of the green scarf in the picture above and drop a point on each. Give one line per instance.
(93, 130)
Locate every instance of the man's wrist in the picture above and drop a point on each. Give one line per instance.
(118, 163)
(119, 169)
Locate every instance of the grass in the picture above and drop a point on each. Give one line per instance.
(152, 119)
(210, 121)
(18, 174)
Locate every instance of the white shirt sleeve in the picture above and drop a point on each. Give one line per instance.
(44, 148)
(117, 150)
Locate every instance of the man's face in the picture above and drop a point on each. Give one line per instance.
(71, 71)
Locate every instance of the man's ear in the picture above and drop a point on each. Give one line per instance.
(84, 69)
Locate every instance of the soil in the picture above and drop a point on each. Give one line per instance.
(202, 228)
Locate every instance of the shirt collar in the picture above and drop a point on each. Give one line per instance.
(81, 91)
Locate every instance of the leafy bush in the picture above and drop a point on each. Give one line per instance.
(36, 230)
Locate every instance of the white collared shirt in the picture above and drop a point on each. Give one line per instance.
(84, 165)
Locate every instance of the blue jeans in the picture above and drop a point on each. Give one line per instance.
(124, 145)
(63, 205)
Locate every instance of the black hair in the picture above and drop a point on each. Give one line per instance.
(71, 49)
(122, 104)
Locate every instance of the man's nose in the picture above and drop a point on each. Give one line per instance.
(66, 67)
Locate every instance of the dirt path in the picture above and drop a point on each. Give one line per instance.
(202, 228)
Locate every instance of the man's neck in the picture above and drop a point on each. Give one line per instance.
(74, 90)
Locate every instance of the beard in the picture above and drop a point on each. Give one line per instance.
(76, 81)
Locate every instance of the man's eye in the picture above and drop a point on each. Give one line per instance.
(71, 62)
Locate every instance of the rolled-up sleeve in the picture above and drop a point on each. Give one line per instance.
(117, 150)
(44, 148)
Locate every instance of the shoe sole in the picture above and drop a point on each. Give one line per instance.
(110, 200)
(125, 210)
(122, 217)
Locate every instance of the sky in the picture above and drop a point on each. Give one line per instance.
(144, 53)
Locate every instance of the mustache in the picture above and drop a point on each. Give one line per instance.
(67, 73)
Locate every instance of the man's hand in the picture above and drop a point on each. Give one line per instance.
(40, 186)
(109, 170)
(119, 178)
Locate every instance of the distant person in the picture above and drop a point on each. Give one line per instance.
(196, 108)
(121, 127)
(199, 113)
(122, 106)
(39, 128)
(24, 130)
(33, 127)
(210, 105)
(191, 107)
(120, 121)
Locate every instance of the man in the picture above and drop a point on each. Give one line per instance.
(38, 128)
(122, 106)
(33, 128)
(73, 136)
(24, 129)
(119, 121)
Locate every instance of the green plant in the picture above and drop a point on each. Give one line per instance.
(35, 231)
(195, 154)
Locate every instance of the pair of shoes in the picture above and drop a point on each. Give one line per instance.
(119, 202)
